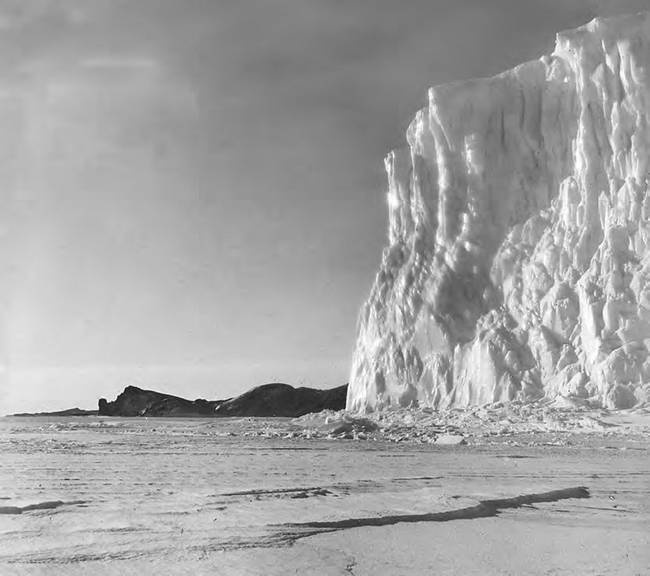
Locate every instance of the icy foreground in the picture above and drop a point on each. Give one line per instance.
(518, 263)
(117, 496)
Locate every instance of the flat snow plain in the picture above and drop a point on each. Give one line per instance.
(278, 496)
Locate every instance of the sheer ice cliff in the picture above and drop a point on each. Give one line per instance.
(518, 263)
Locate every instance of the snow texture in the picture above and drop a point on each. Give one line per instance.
(518, 263)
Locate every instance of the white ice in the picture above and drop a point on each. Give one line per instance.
(518, 263)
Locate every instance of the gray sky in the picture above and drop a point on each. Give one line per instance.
(192, 191)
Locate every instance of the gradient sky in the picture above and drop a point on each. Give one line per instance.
(192, 192)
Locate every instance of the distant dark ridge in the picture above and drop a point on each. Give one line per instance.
(268, 400)
(68, 412)
(283, 400)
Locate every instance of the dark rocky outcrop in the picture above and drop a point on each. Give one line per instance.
(283, 400)
(137, 402)
(267, 400)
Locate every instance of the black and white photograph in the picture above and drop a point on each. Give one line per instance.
(325, 287)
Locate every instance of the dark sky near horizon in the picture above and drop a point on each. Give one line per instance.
(193, 191)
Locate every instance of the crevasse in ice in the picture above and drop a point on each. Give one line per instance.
(518, 263)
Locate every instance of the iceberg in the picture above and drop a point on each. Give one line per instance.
(518, 261)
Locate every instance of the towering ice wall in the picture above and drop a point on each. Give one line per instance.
(518, 262)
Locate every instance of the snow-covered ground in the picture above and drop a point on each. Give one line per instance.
(564, 494)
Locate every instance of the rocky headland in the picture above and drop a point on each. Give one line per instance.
(274, 399)
(268, 400)
(283, 400)
(68, 412)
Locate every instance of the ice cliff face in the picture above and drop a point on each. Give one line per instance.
(518, 262)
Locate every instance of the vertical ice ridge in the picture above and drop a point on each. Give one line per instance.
(519, 232)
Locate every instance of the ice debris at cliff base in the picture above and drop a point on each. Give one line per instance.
(518, 264)
(542, 422)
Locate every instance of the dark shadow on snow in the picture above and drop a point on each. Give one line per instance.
(51, 505)
(288, 534)
(484, 509)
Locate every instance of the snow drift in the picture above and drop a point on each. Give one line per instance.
(518, 263)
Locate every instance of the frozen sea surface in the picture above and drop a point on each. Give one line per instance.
(191, 496)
